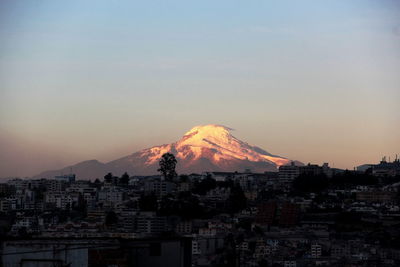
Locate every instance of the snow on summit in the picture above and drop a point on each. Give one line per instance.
(203, 148)
(214, 144)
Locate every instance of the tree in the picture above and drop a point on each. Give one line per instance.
(236, 200)
(310, 183)
(23, 232)
(39, 193)
(204, 185)
(97, 183)
(245, 223)
(148, 202)
(348, 178)
(108, 178)
(167, 166)
(111, 218)
(184, 178)
(124, 180)
(185, 205)
(80, 206)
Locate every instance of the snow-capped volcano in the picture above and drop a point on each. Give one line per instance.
(214, 143)
(203, 148)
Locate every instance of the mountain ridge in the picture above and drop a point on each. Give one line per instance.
(209, 147)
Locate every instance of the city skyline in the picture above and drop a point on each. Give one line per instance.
(219, 145)
(315, 82)
(199, 133)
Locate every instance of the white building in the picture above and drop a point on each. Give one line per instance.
(289, 264)
(158, 187)
(287, 173)
(184, 227)
(150, 223)
(205, 231)
(111, 195)
(195, 248)
(316, 251)
(62, 200)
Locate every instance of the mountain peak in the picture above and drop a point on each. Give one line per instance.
(202, 133)
(209, 129)
(216, 143)
(209, 147)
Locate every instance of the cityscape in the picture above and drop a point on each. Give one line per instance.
(173, 133)
(307, 215)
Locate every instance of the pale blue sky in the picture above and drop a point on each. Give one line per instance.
(310, 80)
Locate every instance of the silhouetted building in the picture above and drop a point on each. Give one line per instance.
(386, 169)
(311, 170)
(97, 252)
(289, 214)
(288, 172)
(159, 187)
(376, 196)
(69, 178)
(266, 213)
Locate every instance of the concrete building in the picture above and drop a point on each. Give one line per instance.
(316, 251)
(386, 169)
(289, 214)
(266, 213)
(184, 227)
(376, 196)
(62, 200)
(69, 178)
(159, 187)
(311, 170)
(111, 195)
(96, 252)
(149, 223)
(287, 173)
(55, 185)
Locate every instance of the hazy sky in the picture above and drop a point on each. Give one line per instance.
(310, 80)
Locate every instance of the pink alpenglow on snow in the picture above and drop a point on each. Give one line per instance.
(204, 148)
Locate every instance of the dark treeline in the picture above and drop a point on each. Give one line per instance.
(344, 180)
